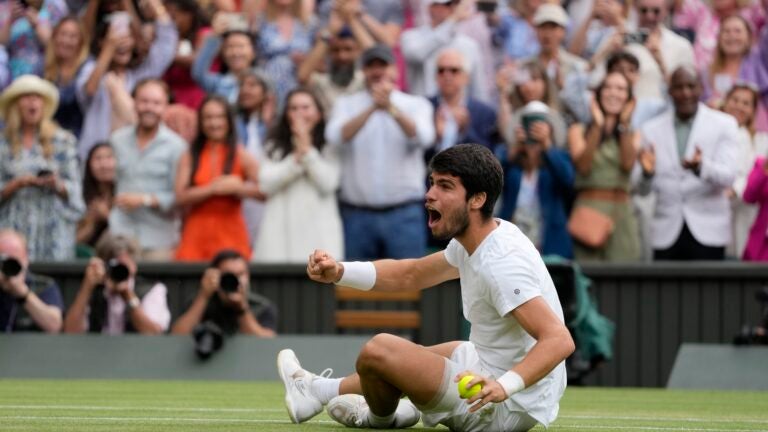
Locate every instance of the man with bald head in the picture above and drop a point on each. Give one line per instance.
(459, 117)
(28, 302)
(688, 159)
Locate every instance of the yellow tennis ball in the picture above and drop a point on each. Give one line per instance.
(466, 393)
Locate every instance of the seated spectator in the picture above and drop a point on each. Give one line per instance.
(40, 189)
(300, 176)
(147, 155)
(108, 81)
(513, 32)
(190, 23)
(382, 133)
(520, 86)
(25, 29)
(604, 153)
(98, 193)
(741, 102)
(238, 55)
(736, 60)
(459, 117)
(645, 41)
(28, 302)
(285, 38)
(551, 20)
(689, 161)
(234, 309)
(538, 182)
(113, 299)
(340, 43)
(213, 177)
(65, 57)
(422, 45)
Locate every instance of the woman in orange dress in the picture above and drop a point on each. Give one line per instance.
(212, 179)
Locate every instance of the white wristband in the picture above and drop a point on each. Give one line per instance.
(358, 275)
(511, 382)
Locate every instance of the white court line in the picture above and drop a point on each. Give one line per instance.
(255, 421)
(134, 408)
(692, 420)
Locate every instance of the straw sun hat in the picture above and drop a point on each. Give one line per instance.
(30, 84)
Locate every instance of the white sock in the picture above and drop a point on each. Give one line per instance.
(325, 389)
(380, 422)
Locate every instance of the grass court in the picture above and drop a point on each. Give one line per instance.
(139, 406)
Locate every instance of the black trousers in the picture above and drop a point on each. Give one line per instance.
(686, 248)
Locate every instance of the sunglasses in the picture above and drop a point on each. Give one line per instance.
(645, 10)
(452, 70)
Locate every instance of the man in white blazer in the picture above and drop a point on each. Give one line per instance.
(688, 159)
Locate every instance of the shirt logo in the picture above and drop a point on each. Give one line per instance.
(517, 291)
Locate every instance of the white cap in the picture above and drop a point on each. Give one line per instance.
(549, 12)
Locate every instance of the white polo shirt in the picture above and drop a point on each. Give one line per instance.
(503, 273)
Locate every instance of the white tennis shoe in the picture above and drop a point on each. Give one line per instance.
(301, 403)
(351, 410)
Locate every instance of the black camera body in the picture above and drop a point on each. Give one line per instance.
(486, 6)
(9, 266)
(208, 339)
(117, 272)
(228, 282)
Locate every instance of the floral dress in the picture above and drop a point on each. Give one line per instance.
(46, 220)
(276, 54)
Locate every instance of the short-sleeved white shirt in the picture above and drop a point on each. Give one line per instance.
(504, 272)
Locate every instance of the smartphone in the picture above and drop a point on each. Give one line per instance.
(121, 22)
(45, 172)
(486, 6)
(639, 37)
(236, 21)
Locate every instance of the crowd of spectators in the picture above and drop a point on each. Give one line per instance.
(628, 131)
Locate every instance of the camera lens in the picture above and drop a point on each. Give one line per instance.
(229, 282)
(118, 272)
(10, 267)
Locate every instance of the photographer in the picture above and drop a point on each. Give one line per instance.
(112, 299)
(28, 302)
(225, 298)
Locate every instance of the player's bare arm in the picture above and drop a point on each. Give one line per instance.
(391, 275)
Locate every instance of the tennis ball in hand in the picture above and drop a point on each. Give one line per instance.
(466, 393)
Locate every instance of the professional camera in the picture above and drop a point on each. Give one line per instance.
(228, 282)
(756, 335)
(9, 266)
(208, 339)
(117, 272)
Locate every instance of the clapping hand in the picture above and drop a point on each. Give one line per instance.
(694, 163)
(647, 158)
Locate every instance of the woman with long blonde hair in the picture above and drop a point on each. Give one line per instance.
(40, 192)
(64, 60)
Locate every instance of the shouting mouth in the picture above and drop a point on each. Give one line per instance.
(434, 216)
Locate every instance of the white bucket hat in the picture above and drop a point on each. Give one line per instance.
(30, 84)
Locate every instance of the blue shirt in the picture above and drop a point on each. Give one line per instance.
(15, 318)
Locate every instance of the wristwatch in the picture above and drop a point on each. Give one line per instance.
(393, 111)
(21, 301)
(134, 302)
(623, 128)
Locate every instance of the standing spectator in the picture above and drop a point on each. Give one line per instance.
(655, 63)
(736, 59)
(551, 21)
(341, 43)
(213, 178)
(238, 55)
(460, 118)
(689, 161)
(422, 45)
(300, 176)
(98, 193)
(26, 30)
(242, 311)
(109, 79)
(513, 32)
(28, 302)
(604, 153)
(190, 23)
(538, 182)
(741, 103)
(113, 299)
(285, 38)
(756, 192)
(519, 86)
(383, 134)
(147, 155)
(39, 176)
(607, 18)
(65, 57)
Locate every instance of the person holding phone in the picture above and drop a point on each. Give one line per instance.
(40, 190)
